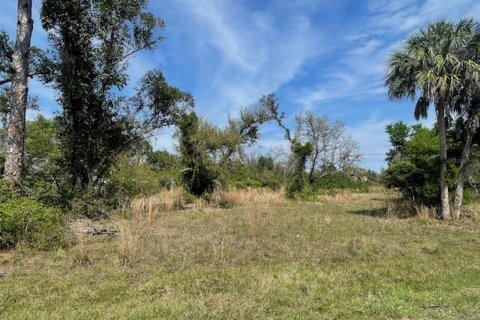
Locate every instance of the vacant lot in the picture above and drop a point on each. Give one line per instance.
(341, 258)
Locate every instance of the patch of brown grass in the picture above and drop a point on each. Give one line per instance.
(128, 240)
(472, 211)
(149, 207)
(426, 214)
(248, 197)
(344, 196)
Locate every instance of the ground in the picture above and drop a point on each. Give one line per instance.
(341, 258)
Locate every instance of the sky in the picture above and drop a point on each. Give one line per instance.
(324, 56)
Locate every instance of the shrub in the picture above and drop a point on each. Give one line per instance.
(242, 176)
(5, 191)
(28, 221)
(200, 175)
(340, 180)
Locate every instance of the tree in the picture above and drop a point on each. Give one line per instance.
(92, 43)
(301, 150)
(430, 66)
(332, 147)
(398, 133)
(265, 163)
(198, 174)
(414, 171)
(468, 122)
(467, 126)
(18, 103)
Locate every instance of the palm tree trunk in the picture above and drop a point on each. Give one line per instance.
(463, 167)
(18, 103)
(443, 162)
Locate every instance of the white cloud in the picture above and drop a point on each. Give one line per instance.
(255, 52)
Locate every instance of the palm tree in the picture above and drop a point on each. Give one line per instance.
(431, 66)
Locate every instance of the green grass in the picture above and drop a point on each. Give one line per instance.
(292, 261)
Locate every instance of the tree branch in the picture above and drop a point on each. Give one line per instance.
(10, 79)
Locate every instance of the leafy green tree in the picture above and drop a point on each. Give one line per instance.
(467, 126)
(266, 163)
(92, 43)
(431, 65)
(162, 159)
(301, 150)
(301, 153)
(199, 174)
(415, 170)
(398, 133)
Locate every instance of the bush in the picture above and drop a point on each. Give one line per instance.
(241, 176)
(340, 180)
(28, 221)
(6, 192)
(470, 196)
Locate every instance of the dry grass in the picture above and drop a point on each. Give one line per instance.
(128, 240)
(344, 196)
(149, 207)
(248, 197)
(426, 214)
(472, 211)
(284, 260)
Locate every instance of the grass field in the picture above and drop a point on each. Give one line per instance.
(336, 259)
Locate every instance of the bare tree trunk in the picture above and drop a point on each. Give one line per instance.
(443, 162)
(312, 168)
(18, 104)
(457, 205)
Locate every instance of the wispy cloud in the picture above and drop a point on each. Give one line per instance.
(254, 51)
(326, 56)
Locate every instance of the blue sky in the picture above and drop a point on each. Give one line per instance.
(325, 56)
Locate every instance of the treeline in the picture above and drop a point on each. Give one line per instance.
(94, 155)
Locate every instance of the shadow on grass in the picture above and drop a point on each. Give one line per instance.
(376, 213)
(381, 213)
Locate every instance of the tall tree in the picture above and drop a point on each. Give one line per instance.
(301, 150)
(430, 65)
(467, 126)
(19, 94)
(468, 121)
(332, 147)
(92, 42)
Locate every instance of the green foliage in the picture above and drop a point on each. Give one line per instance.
(242, 176)
(415, 169)
(199, 174)
(301, 153)
(340, 180)
(161, 160)
(24, 220)
(92, 42)
(131, 178)
(6, 192)
(266, 163)
(398, 133)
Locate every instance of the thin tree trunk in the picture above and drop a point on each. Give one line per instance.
(443, 163)
(457, 205)
(18, 103)
(312, 169)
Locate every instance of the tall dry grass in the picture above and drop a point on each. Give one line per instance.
(128, 241)
(426, 214)
(248, 197)
(149, 207)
